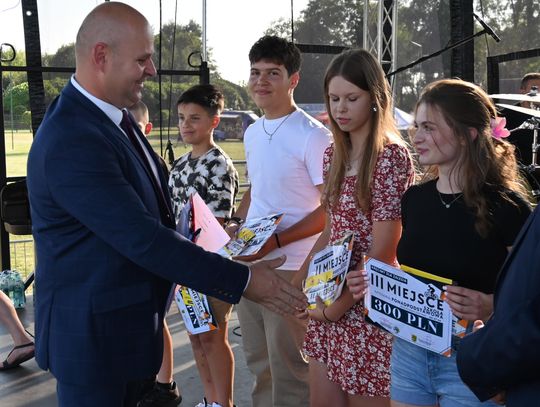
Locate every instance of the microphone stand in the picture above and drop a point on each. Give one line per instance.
(531, 169)
(448, 47)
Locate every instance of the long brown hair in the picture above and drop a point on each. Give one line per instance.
(360, 68)
(484, 160)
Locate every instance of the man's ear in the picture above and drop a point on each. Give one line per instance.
(295, 78)
(148, 128)
(215, 121)
(100, 55)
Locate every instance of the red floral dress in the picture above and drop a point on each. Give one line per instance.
(357, 354)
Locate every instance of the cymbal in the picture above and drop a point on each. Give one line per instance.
(530, 112)
(516, 96)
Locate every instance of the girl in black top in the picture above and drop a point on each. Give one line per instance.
(458, 224)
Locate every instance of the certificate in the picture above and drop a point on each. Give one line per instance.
(327, 271)
(409, 304)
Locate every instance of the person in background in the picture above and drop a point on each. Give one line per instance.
(142, 118)
(23, 349)
(522, 138)
(367, 170)
(284, 153)
(458, 224)
(208, 171)
(141, 115)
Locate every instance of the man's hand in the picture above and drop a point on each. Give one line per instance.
(267, 288)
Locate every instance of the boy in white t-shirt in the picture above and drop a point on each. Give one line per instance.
(284, 153)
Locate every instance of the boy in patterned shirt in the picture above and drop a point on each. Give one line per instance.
(208, 170)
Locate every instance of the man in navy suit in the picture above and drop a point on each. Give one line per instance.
(106, 247)
(503, 357)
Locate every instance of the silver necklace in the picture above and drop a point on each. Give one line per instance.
(449, 204)
(270, 135)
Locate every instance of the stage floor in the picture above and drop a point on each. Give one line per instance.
(29, 386)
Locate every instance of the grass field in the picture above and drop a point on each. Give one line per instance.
(17, 147)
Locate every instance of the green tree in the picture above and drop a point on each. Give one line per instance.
(63, 57)
(323, 22)
(423, 28)
(10, 79)
(16, 96)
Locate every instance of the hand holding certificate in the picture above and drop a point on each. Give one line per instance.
(251, 237)
(358, 281)
(327, 271)
(410, 304)
(199, 225)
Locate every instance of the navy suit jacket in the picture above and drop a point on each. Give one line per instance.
(505, 354)
(105, 258)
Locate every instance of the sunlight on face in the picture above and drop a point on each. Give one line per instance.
(195, 123)
(131, 64)
(269, 84)
(433, 139)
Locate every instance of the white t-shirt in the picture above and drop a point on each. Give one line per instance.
(284, 172)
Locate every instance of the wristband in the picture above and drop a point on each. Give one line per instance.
(324, 315)
(277, 240)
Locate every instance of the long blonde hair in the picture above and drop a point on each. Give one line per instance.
(360, 68)
(484, 161)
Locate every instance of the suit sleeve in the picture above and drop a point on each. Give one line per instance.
(506, 351)
(92, 181)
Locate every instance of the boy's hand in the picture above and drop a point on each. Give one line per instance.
(231, 229)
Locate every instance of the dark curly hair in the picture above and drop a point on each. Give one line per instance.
(207, 96)
(278, 50)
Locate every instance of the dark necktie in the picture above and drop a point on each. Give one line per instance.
(127, 126)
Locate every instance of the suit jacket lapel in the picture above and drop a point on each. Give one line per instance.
(161, 177)
(72, 93)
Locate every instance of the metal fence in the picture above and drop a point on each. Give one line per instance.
(22, 256)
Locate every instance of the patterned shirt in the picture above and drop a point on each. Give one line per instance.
(212, 175)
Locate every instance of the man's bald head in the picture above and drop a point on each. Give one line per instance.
(107, 23)
(114, 51)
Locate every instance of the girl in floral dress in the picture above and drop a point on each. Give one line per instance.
(367, 170)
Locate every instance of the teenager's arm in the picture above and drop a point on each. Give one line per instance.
(386, 236)
(232, 227)
(243, 208)
(320, 244)
(310, 225)
(385, 239)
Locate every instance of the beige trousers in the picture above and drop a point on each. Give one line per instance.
(272, 346)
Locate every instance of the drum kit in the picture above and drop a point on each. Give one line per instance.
(532, 123)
